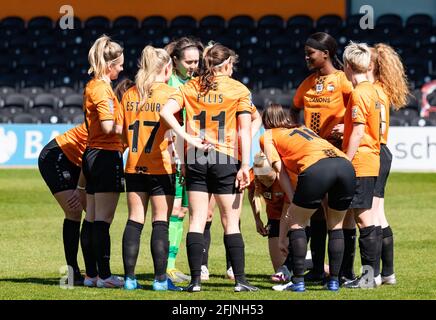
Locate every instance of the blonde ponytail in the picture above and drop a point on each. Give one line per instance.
(152, 62)
(103, 53)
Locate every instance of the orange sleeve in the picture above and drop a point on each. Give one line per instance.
(359, 114)
(299, 94)
(244, 103)
(178, 96)
(105, 103)
(347, 88)
(119, 119)
(268, 148)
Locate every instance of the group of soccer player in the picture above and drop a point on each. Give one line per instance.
(188, 127)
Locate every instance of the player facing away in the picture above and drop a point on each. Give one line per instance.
(149, 170)
(387, 74)
(186, 55)
(323, 97)
(362, 146)
(102, 161)
(218, 111)
(322, 170)
(60, 163)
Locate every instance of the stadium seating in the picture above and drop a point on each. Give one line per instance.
(37, 56)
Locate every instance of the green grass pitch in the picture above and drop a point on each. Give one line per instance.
(31, 251)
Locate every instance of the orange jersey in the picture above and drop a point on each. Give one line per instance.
(363, 107)
(214, 116)
(298, 148)
(100, 104)
(385, 103)
(148, 137)
(274, 198)
(73, 143)
(324, 99)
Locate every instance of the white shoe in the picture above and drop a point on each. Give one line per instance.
(90, 282)
(391, 280)
(230, 273)
(282, 287)
(282, 275)
(111, 282)
(378, 281)
(204, 273)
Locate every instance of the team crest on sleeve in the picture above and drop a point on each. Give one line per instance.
(354, 112)
(111, 105)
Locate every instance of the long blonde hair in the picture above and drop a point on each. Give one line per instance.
(151, 64)
(389, 70)
(102, 54)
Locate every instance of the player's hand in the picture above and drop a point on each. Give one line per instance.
(200, 144)
(338, 130)
(260, 228)
(283, 245)
(75, 201)
(243, 178)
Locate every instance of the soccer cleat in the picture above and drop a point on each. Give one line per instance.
(111, 282)
(282, 275)
(345, 279)
(204, 273)
(90, 282)
(297, 287)
(332, 285)
(315, 278)
(360, 283)
(390, 280)
(282, 287)
(131, 284)
(230, 273)
(378, 281)
(245, 287)
(165, 285)
(177, 276)
(193, 287)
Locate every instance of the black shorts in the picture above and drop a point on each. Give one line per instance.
(364, 193)
(153, 184)
(103, 170)
(273, 227)
(332, 176)
(214, 173)
(385, 168)
(58, 172)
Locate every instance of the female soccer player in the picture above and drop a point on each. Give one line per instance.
(389, 79)
(322, 170)
(60, 163)
(266, 185)
(323, 96)
(149, 169)
(102, 160)
(185, 54)
(362, 145)
(218, 110)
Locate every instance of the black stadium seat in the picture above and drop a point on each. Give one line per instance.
(419, 25)
(299, 26)
(240, 25)
(182, 26)
(24, 118)
(330, 23)
(270, 25)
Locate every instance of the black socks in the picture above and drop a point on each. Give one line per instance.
(159, 248)
(387, 252)
(235, 247)
(194, 248)
(131, 243)
(298, 247)
(87, 248)
(71, 236)
(347, 267)
(101, 242)
(336, 252)
(206, 236)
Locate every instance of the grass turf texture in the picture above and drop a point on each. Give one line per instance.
(31, 250)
